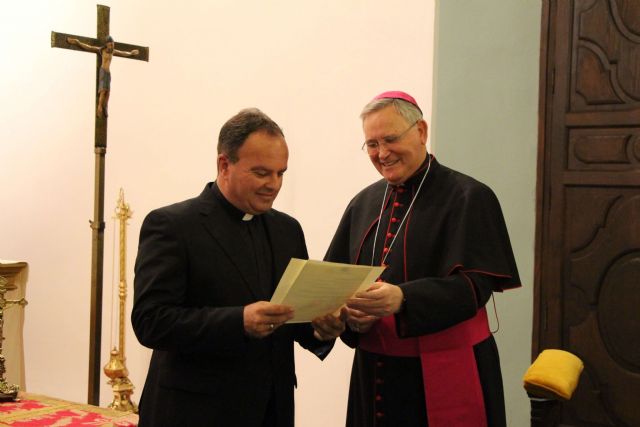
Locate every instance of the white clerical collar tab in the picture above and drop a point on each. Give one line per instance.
(247, 217)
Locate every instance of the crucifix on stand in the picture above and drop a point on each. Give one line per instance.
(105, 49)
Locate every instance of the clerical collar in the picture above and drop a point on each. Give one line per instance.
(228, 207)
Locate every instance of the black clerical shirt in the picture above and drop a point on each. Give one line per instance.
(256, 243)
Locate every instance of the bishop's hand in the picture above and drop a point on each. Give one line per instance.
(381, 299)
(359, 321)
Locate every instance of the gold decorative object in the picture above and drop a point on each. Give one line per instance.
(116, 369)
(7, 391)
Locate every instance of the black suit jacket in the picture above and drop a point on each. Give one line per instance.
(190, 287)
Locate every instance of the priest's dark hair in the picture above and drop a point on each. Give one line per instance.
(238, 128)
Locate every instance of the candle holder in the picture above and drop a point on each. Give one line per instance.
(8, 392)
(116, 368)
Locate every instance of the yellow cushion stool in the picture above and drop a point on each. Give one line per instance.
(554, 375)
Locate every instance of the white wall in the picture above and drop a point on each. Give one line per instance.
(310, 65)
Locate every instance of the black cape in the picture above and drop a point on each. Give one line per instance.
(448, 253)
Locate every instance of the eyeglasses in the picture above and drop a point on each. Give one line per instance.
(373, 145)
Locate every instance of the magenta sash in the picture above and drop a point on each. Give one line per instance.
(452, 389)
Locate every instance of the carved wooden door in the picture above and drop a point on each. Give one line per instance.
(587, 272)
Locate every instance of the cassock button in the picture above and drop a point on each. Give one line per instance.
(379, 364)
(379, 381)
(390, 235)
(378, 398)
(379, 414)
(385, 250)
(394, 220)
(400, 189)
(396, 204)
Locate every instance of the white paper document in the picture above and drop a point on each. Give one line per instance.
(316, 288)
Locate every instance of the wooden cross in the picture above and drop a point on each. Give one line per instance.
(87, 44)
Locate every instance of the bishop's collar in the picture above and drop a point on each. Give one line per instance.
(415, 179)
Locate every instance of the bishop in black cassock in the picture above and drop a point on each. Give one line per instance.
(442, 237)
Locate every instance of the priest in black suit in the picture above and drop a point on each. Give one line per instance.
(205, 271)
(424, 351)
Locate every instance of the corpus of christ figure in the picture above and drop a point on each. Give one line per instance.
(104, 82)
(104, 46)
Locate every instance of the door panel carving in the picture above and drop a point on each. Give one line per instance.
(587, 296)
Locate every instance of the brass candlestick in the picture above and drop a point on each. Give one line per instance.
(7, 391)
(116, 369)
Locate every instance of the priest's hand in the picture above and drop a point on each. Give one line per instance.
(329, 326)
(359, 321)
(381, 299)
(262, 318)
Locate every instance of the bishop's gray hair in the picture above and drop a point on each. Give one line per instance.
(407, 110)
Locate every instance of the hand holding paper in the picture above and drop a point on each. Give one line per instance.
(329, 326)
(380, 299)
(317, 288)
(262, 318)
(359, 321)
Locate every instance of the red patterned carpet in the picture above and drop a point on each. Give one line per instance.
(34, 410)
